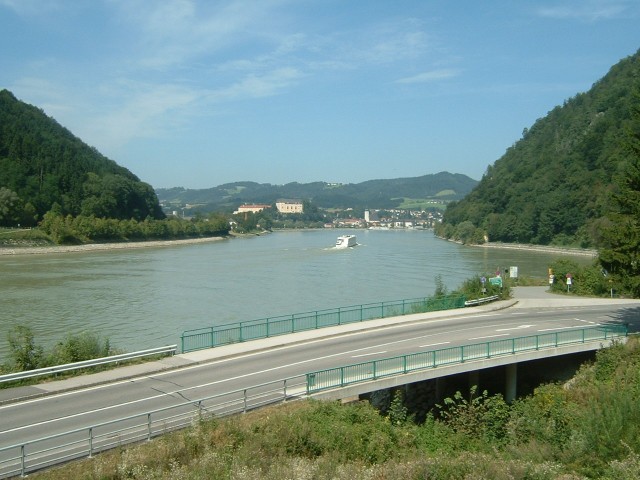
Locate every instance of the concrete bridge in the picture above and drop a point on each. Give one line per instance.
(552, 361)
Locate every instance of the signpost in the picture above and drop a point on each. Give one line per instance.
(569, 277)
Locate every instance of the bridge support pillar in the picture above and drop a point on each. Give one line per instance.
(511, 381)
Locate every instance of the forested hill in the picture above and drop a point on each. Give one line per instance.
(370, 194)
(43, 165)
(554, 184)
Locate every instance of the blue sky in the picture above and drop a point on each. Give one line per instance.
(204, 92)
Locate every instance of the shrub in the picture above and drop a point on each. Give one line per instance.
(26, 355)
(76, 348)
(480, 417)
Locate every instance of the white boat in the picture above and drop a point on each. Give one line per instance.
(345, 241)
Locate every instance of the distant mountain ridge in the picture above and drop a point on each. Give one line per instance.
(383, 194)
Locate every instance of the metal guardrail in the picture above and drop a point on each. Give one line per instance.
(209, 337)
(169, 349)
(23, 458)
(480, 301)
(363, 372)
(29, 456)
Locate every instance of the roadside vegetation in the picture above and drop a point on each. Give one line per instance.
(26, 354)
(586, 280)
(587, 428)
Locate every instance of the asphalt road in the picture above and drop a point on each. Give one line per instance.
(34, 412)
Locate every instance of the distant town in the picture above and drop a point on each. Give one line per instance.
(339, 218)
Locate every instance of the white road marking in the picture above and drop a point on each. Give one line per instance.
(565, 328)
(521, 327)
(434, 344)
(491, 336)
(585, 321)
(156, 375)
(368, 354)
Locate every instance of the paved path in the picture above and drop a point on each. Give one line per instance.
(523, 297)
(531, 297)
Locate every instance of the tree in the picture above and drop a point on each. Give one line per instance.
(620, 254)
(10, 207)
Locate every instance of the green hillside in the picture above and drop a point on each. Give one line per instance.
(42, 164)
(384, 194)
(554, 185)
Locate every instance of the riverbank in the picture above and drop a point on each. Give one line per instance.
(541, 248)
(584, 252)
(103, 246)
(189, 241)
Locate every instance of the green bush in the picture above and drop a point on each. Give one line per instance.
(587, 280)
(76, 348)
(481, 418)
(25, 354)
(472, 287)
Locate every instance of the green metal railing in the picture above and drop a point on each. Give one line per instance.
(209, 337)
(373, 370)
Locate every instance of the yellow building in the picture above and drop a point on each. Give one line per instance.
(289, 206)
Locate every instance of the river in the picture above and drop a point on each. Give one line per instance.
(143, 298)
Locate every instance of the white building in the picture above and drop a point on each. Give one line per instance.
(253, 208)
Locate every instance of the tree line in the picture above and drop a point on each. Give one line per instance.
(82, 229)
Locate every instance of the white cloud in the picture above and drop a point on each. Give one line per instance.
(590, 11)
(142, 110)
(257, 86)
(176, 32)
(430, 76)
(31, 7)
(186, 56)
(372, 45)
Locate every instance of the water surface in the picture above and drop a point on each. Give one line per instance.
(143, 298)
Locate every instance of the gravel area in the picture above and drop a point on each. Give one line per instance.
(101, 246)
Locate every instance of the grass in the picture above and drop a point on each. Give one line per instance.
(25, 237)
(421, 204)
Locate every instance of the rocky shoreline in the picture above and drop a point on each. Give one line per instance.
(102, 246)
(541, 248)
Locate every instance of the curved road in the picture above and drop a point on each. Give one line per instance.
(33, 412)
